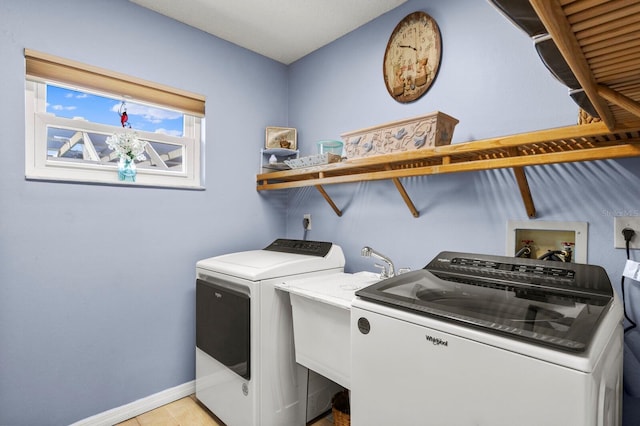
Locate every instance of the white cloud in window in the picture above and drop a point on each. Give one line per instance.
(169, 132)
(63, 108)
(76, 95)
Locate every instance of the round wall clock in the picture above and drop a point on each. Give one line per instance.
(412, 57)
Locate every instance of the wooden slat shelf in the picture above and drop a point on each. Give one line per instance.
(586, 142)
(600, 42)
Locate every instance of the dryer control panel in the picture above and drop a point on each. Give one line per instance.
(309, 248)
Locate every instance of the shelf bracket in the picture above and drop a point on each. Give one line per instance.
(405, 197)
(619, 99)
(525, 192)
(328, 199)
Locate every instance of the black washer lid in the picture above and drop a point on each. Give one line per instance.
(554, 304)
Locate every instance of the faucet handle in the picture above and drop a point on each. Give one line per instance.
(383, 270)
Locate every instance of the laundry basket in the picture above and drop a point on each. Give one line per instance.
(340, 409)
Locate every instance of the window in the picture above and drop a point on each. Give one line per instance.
(71, 110)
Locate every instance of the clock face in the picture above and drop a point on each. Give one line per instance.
(412, 58)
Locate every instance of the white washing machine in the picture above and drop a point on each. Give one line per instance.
(488, 340)
(246, 372)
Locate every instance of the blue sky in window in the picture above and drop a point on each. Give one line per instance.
(67, 103)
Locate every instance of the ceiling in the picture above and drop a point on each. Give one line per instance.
(283, 30)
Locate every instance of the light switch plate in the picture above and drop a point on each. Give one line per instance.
(621, 222)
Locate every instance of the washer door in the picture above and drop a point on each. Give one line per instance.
(223, 318)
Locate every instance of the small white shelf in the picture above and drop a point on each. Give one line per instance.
(281, 154)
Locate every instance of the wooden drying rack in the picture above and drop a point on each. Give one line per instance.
(562, 145)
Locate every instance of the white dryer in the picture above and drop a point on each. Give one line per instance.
(488, 340)
(246, 372)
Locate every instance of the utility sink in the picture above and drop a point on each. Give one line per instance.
(321, 308)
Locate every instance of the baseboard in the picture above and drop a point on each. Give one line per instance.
(135, 408)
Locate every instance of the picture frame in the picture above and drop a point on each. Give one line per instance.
(281, 137)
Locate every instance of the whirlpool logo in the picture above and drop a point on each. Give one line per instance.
(436, 340)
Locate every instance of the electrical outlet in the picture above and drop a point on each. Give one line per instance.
(621, 222)
(307, 219)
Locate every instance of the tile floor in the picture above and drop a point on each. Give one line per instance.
(188, 411)
(183, 412)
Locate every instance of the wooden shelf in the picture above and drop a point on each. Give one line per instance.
(599, 40)
(585, 142)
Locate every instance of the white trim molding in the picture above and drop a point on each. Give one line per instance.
(135, 408)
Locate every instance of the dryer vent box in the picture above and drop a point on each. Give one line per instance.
(544, 236)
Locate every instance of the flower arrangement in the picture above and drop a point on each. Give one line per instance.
(127, 146)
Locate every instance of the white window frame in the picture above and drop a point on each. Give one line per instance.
(40, 166)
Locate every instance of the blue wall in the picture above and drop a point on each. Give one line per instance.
(492, 80)
(97, 285)
(94, 314)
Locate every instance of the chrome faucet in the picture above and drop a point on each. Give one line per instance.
(387, 271)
